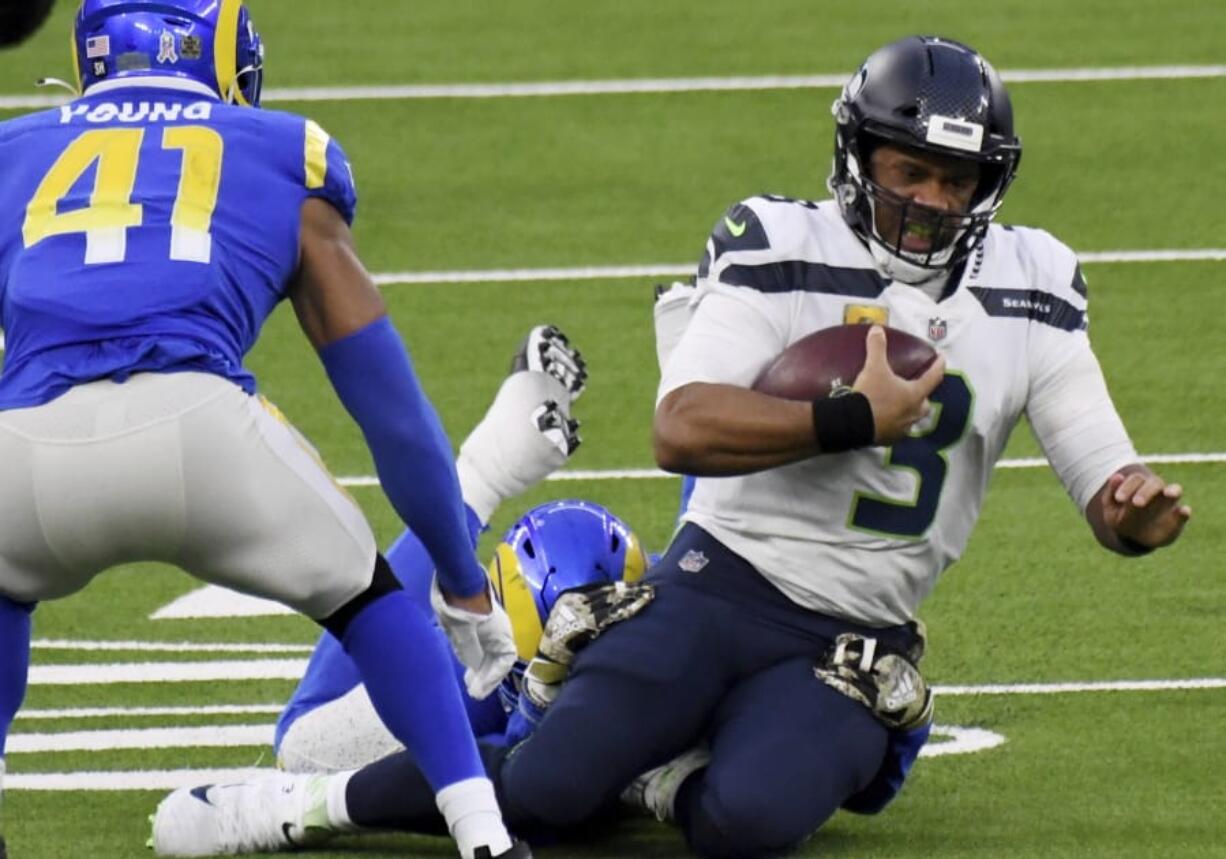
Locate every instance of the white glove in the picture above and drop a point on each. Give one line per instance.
(485, 643)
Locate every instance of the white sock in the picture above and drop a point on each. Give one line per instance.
(471, 811)
(506, 454)
(338, 807)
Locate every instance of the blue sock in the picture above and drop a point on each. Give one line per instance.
(408, 671)
(14, 661)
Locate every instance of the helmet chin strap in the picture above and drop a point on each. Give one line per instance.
(231, 91)
(49, 82)
(931, 281)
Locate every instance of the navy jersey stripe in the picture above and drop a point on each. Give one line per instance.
(1032, 304)
(801, 276)
(1079, 282)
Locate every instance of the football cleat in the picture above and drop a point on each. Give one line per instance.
(268, 814)
(548, 350)
(561, 430)
(655, 791)
(519, 850)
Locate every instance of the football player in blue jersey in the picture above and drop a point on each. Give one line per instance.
(160, 219)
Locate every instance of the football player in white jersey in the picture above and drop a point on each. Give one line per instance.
(814, 531)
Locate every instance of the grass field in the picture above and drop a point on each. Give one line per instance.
(458, 184)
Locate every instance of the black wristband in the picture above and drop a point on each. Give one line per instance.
(1132, 547)
(843, 423)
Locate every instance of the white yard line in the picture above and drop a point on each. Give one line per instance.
(166, 646)
(360, 481)
(129, 712)
(167, 672)
(667, 269)
(650, 85)
(1096, 686)
(252, 669)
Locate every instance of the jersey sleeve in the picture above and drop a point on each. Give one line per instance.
(326, 171)
(740, 316)
(1069, 408)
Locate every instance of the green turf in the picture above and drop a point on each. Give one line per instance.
(632, 179)
(315, 42)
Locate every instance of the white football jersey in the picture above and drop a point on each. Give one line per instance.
(865, 534)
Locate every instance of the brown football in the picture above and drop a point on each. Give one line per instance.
(821, 363)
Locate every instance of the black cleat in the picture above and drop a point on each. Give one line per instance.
(4, 853)
(519, 850)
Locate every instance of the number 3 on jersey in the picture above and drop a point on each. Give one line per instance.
(925, 455)
(111, 212)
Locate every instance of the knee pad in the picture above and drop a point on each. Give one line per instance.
(382, 582)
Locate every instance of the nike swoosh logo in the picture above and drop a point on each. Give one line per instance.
(286, 828)
(736, 229)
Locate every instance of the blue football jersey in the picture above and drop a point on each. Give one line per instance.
(151, 229)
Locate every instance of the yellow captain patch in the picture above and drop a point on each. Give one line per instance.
(866, 314)
(316, 155)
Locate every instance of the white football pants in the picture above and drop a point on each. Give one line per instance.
(185, 468)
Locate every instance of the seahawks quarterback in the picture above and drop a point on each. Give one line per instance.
(815, 530)
(160, 220)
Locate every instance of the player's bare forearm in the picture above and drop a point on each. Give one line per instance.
(720, 430)
(1136, 510)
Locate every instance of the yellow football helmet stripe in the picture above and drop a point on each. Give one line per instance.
(516, 597)
(636, 560)
(316, 155)
(225, 51)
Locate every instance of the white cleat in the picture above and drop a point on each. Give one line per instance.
(268, 814)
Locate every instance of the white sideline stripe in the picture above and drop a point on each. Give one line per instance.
(127, 712)
(167, 672)
(1098, 686)
(665, 269)
(657, 474)
(652, 85)
(166, 646)
(199, 737)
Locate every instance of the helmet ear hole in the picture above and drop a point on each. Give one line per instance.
(529, 549)
(615, 542)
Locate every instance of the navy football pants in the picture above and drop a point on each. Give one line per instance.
(721, 656)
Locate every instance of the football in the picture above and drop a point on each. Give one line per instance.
(826, 361)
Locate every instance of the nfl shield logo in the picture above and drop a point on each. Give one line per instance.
(937, 329)
(692, 561)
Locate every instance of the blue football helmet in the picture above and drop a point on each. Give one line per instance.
(937, 96)
(551, 549)
(212, 42)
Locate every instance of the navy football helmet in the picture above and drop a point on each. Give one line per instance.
(938, 96)
(552, 548)
(211, 42)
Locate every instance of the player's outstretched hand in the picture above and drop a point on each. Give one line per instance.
(1140, 506)
(547, 350)
(897, 403)
(481, 635)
